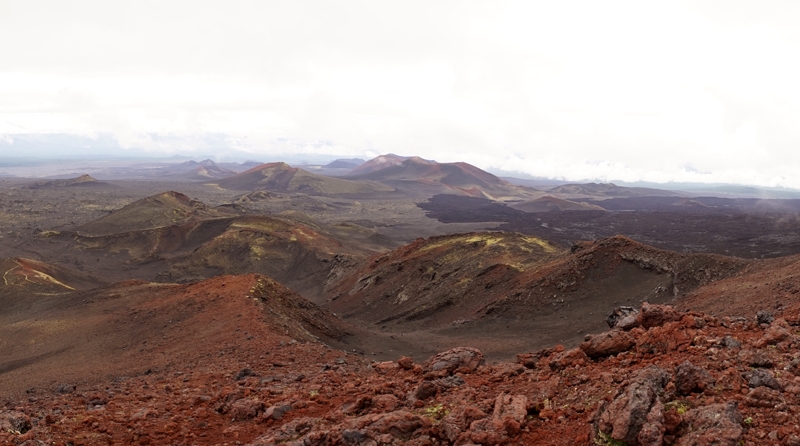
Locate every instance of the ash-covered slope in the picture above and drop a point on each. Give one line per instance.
(550, 203)
(170, 238)
(161, 210)
(609, 190)
(489, 287)
(281, 177)
(437, 280)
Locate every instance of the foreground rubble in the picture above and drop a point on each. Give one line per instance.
(667, 378)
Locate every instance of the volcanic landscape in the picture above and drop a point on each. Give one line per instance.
(391, 301)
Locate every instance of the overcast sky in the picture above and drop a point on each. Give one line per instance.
(642, 90)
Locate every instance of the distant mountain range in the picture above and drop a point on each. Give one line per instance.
(193, 170)
(417, 176)
(281, 177)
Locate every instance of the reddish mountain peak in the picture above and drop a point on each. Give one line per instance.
(418, 160)
(378, 163)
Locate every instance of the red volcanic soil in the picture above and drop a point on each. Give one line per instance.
(771, 284)
(243, 360)
(134, 326)
(676, 378)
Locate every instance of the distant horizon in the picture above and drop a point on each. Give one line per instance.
(52, 147)
(303, 160)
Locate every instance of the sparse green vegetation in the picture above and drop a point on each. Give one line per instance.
(436, 412)
(680, 406)
(604, 439)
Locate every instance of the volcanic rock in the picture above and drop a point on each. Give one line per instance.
(276, 412)
(690, 378)
(244, 373)
(246, 408)
(730, 342)
(405, 363)
(425, 390)
(764, 397)
(776, 333)
(607, 344)
(636, 417)
(385, 403)
(14, 421)
(764, 317)
(755, 358)
(509, 412)
(762, 377)
(715, 424)
(569, 358)
(623, 318)
(656, 315)
(458, 358)
(66, 388)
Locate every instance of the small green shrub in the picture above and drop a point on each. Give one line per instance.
(680, 406)
(436, 412)
(604, 439)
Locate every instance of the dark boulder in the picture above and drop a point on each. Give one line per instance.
(636, 415)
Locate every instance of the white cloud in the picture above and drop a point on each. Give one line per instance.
(573, 89)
